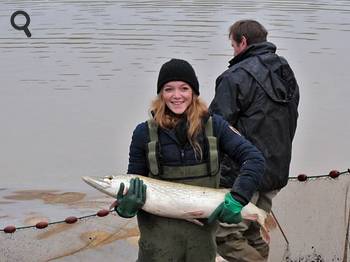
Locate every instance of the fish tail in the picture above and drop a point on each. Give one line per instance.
(269, 224)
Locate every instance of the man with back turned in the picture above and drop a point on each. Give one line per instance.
(258, 95)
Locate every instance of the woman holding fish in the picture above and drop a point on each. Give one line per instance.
(182, 143)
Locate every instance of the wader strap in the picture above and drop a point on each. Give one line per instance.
(153, 153)
(183, 173)
(213, 163)
(153, 147)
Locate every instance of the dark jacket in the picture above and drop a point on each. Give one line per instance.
(259, 96)
(174, 153)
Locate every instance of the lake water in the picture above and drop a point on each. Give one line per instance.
(71, 95)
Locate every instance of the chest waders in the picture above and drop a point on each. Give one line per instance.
(166, 239)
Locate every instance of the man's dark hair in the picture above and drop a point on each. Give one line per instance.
(252, 30)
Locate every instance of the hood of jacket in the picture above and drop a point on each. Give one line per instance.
(271, 71)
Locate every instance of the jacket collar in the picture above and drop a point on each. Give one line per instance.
(253, 50)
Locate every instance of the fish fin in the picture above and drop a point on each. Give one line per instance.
(264, 228)
(194, 214)
(195, 221)
(265, 235)
(219, 258)
(266, 221)
(252, 217)
(270, 222)
(113, 205)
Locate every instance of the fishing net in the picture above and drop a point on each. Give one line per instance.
(89, 239)
(312, 214)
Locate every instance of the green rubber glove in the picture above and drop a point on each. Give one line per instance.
(129, 204)
(228, 211)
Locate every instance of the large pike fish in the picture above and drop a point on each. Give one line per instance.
(176, 200)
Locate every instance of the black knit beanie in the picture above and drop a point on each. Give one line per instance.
(177, 70)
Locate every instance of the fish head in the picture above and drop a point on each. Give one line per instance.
(106, 184)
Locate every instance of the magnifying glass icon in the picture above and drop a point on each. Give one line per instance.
(21, 27)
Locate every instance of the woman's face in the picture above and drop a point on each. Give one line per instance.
(177, 96)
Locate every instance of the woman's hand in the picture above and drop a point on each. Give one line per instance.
(228, 211)
(129, 204)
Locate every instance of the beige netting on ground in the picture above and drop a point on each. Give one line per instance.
(312, 214)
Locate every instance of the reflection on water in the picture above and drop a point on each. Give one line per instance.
(71, 95)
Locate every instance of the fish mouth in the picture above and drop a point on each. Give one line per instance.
(99, 183)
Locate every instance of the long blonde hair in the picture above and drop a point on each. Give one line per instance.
(168, 120)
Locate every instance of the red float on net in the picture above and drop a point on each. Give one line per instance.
(9, 229)
(71, 220)
(41, 225)
(334, 173)
(302, 177)
(103, 213)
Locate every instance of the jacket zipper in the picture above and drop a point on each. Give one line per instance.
(182, 151)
